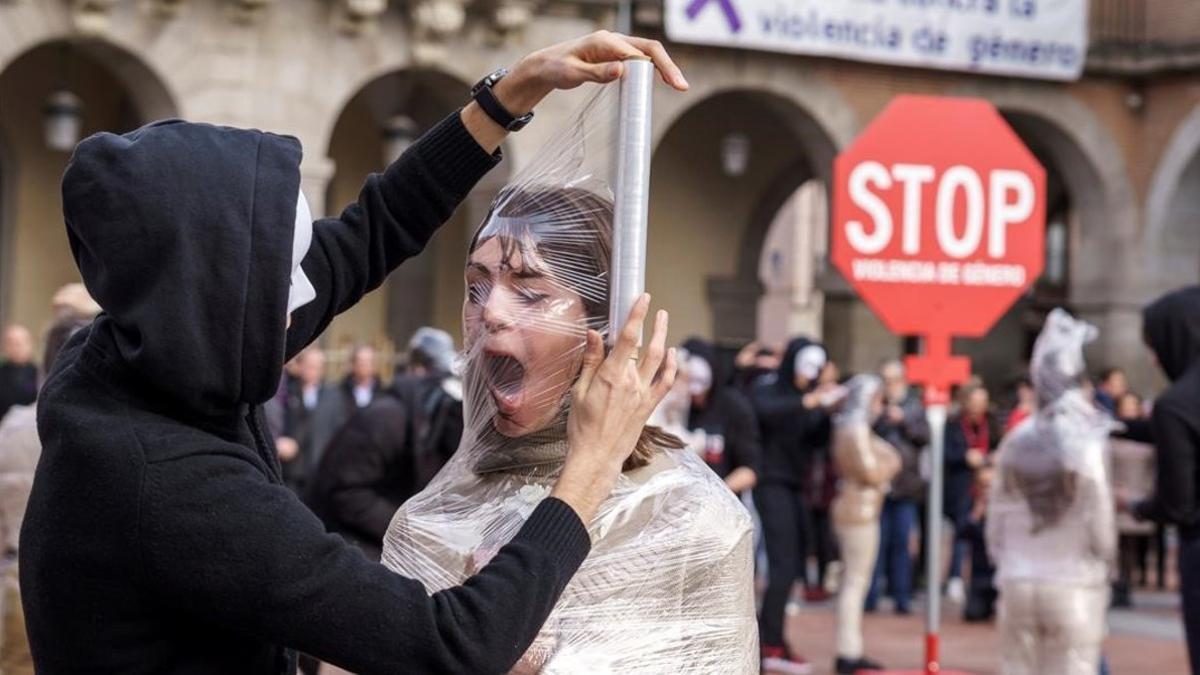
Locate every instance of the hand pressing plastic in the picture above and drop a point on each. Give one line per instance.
(596, 57)
(610, 404)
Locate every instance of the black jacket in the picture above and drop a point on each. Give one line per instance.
(18, 385)
(1171, 327)
(385, 454)
(790, 432)
(312, 429)
(732, 431)
(908, 437)
(159, 536)
(959, 477)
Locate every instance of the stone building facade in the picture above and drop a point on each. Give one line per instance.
(734, 253)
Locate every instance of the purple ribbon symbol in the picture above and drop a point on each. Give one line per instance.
(731, 15)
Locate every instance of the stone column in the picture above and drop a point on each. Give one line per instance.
(315, 175)
(734, 305)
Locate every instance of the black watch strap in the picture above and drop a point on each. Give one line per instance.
(483, 95)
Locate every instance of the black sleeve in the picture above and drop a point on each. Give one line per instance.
(1175, 442)
(1138, 430)
(395, 215)
(955, 447)
(357, 464)
(746, 446)
(916, 426)
(235, 550)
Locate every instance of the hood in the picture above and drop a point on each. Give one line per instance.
(183, 234)
(785, 376)
(1057, 367)
(1171, 327)
(856, 407)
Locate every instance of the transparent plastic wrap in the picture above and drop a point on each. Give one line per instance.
(1051, 512)
(668, 585)
(865, 462)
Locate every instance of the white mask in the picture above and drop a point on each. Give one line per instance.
(809, 361)
(301, 292)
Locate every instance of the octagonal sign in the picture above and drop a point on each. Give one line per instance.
(939, 216)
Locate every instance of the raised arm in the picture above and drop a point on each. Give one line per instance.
(398, 210)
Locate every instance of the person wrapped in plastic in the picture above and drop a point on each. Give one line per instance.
(1050, 522)
(866, 464)
(668, 586)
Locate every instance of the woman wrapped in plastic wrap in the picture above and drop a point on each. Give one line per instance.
(866, 465)
(1050, 522)
(668, 584)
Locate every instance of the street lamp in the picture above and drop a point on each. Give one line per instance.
(63, 120)
(735, 154)
(398, 133)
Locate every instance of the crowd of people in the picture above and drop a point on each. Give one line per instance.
(835, 468)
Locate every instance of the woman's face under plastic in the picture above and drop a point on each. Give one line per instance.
(526, 331)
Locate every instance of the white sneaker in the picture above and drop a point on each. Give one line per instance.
(955, 591)
(780, 662)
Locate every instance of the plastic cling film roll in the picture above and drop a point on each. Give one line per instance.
(631, 190)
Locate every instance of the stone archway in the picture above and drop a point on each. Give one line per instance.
(1171, 242)
(118, 92)
(427, 289)
(1103, 277)
(715, 225)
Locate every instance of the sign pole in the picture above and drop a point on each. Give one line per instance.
(937, 369)
(935, 414)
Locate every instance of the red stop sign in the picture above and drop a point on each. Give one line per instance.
(938, 220)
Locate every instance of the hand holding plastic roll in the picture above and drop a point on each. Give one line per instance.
(631, 190)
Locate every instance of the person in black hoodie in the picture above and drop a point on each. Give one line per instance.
(18, 374)
(1171, 327)
(159, 536)
(794, 419)
(392, 449)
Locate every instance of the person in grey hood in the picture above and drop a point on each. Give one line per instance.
(159, 536)
(1171, 328)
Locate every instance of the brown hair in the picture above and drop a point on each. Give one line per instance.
(569, 230)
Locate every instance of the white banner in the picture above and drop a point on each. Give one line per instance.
(1029, 38)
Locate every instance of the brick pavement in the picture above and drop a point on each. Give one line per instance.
(1145, 640)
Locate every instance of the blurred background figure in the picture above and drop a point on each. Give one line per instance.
(1131, 471)
(390, 450)
(1024, 403)
(980, 603)
(753, 364)
(721, 420)
(18, 373)
(362, 382)
(1050, 521)
(866, 464)
(314, 411)
(20, 449)
(1111, 386)
(904, 427)
(793, 414)
(971, 435)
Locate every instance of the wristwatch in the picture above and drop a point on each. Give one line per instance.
(483, 95)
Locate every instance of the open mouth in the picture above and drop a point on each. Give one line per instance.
(506, 380)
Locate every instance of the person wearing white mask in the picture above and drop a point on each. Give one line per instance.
(159, 536)
(722, 423)
(793, 415)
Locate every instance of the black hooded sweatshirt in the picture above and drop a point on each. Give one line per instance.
(790, 432)
(1171, 327)
(159, 536)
